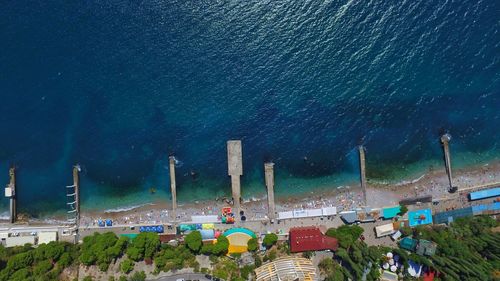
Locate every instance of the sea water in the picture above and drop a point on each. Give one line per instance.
(119, 86)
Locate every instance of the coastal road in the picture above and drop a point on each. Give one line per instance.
(188, 276)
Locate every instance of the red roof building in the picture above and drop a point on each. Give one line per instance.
(303, 239)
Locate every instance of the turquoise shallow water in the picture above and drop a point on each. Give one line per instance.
(117, 87)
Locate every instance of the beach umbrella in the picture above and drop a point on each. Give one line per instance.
(393, 268)
(385, 266)
(389, 255)
(391, 261)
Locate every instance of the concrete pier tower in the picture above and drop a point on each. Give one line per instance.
(235, 170)
(362, 171)
(173, 188)
(10, 192)
(269, 174)
(445, 139)
(76, 184)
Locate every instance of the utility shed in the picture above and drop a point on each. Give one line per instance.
(47, 237)
(19, 241)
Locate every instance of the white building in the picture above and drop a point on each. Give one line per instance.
(47, 237)
(19, 241)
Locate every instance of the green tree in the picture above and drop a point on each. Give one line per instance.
(126, 266)
(145, 245)
(345, 234)
(272, 255)
(222, 246)
(331, 270)
(42, 267)
(194, 241)
(253, 244)
(138, 276)
(54, 251)
(87, 278)
(20, 275)
(207, 249)
(123, 278)
(134, 253)
(269, 240)
(65, 260)
(22, 260)
(403, 210)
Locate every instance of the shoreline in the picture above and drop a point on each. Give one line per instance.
(380, 193)
(434, 182)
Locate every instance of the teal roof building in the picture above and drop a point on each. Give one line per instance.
(408, 244)
(389, 213)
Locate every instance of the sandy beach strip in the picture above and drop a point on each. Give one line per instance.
(433, 182)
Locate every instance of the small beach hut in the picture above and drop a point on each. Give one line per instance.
(384, 230)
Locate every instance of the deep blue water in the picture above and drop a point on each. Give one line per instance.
(119, 85)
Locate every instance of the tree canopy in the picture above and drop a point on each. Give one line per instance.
(269, 240)
(252, 245)
(345, 234)
(145, 245)
(194, 241)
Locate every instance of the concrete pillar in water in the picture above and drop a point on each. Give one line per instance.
(173, 188)
(362, 171)
(445, 139)
(269, 175)
(76, 184)
(235, 170)
(10, 192)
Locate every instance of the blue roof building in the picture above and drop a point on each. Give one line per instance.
(420, 217)
(449, 216)
(492, 192)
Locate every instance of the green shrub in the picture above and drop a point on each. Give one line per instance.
(269, 240)
(42, 267)
(221, 247)
(126, 266)
(253, 245)
(138, 276)
(194, 241)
